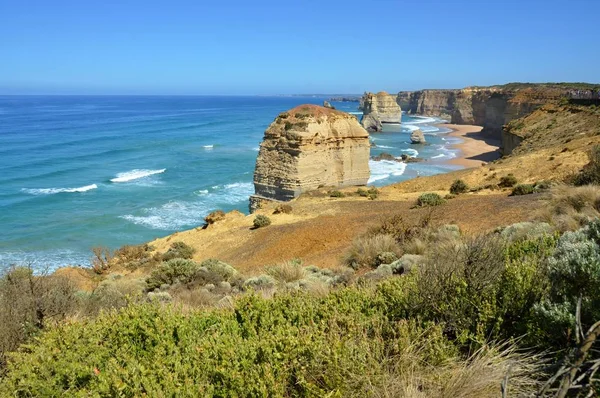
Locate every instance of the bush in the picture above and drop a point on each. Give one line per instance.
(224, 271)
(523, 189)
(260, 282)
(429, 199)
(135, 256)
(261, 221)
(29, 303)
(365, 251)
(574, 273)
(372, 193)
(336, 194)
(179, 250)
(177, 270)
(283, 209)
(458, 187)
(402, 231)
(214, 217)
(291, 345)
(362, 192)
(113, 292)
(508, 181)
(526, 231)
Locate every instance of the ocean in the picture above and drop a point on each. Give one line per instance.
(84, 171)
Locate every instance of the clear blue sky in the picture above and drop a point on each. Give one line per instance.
(279, 47)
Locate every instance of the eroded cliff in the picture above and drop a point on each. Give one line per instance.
(308, 147)
(379, 108)
(493, 107)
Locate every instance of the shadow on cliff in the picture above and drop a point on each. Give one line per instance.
(488, 138)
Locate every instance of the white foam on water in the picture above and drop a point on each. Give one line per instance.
(411, 152)
(52, 191)
(411, 128)
(176, 215)
(382, 169)
(385, 147)
(208, 147)
(256, 149)
(135, 175)
(423, 120)
(44, 260)
(441, 155)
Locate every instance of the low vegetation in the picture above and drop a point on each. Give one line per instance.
(523, 189)
(508, 181)
(419, 309)
(261, 221)
(430, 199)
(458, 187)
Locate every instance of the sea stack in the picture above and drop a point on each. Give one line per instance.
(309, 147)
(378, 109)
(417, 137)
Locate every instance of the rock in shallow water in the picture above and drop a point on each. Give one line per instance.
(417, 137)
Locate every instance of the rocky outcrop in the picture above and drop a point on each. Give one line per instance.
(492, 107)
(326, 104)
(371, 123)
(417, 137)
(379, 108)
(309, 147)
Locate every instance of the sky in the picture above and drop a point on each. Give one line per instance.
(235, 47)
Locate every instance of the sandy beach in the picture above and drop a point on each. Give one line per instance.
(476, 148)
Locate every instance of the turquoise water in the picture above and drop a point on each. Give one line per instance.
(78, 172)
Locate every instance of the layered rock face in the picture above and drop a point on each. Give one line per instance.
(417, 137)
(490, 107)
(379, 108)
(309, 147)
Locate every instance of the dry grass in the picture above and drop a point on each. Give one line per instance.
(571, 207)
(415, 246)
(289, 271)
(364, 250)
(480, 376)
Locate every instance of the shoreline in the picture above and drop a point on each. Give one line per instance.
(475, 147)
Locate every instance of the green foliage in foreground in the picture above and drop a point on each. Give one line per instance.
(292, 345)
(462, 295)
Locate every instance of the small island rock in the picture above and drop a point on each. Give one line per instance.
(417, 137)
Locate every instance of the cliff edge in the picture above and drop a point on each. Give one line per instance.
(309, 147)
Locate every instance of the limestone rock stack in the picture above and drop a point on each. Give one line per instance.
(379, 108)
(417, 137)
(308, 147)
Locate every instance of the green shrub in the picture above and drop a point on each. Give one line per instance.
(177, 270)
(224, 271)
(574, 272)
(458, 187)
(372, 193)
(523, 189)
(291, 345)
(429, 199)
(179, 250)
(261, 221)
(508, 181)
(336, 194)
(260, 282)
(362, 192)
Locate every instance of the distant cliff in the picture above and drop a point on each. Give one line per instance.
(308, 147)
(493, 107)
(379, 108)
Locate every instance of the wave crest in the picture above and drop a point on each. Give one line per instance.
(52, 191)
(135, 175)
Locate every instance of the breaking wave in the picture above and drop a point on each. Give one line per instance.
(135, 175)
(52, 191)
